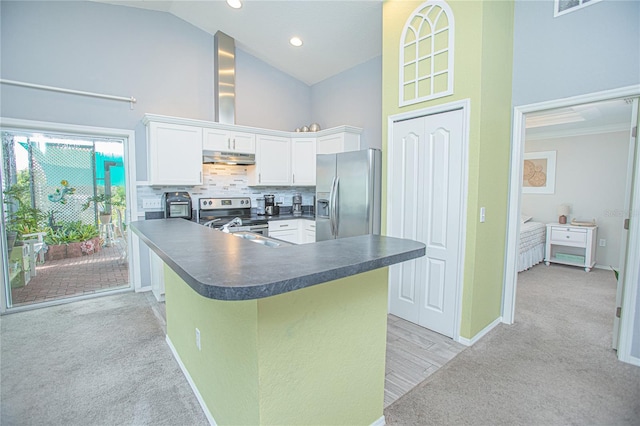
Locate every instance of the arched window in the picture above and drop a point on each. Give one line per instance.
(426, 54)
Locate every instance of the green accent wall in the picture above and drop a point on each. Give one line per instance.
(311, 356)
(483, 65)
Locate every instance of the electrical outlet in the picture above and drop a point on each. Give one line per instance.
(603, 242)
(198, 339)
(150, 203)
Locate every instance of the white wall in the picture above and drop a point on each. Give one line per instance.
(589, 50)
(353, 97)
(269, 98)
(591, 178)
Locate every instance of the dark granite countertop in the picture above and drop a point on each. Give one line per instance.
(220, 266)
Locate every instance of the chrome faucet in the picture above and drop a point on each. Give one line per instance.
(236, 221)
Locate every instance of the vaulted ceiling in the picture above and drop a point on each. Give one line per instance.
(337, 35)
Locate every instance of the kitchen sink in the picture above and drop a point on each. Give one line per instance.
(261, 239)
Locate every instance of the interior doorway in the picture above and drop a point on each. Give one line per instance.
(64, 216)
(568, 113)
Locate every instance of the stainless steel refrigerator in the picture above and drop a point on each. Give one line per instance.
(348, 194)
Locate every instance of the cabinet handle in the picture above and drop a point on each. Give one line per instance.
(228, 143)
(294, 178)
(234, 143)
(283, 226)
(259, 177)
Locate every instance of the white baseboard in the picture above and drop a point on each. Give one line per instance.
(206, 411)
(380, 422)
(480, 335)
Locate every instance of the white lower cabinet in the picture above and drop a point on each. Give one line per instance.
(157, 276)
(308, 231)
(286, 230)
(297, 231)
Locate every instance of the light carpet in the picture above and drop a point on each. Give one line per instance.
(102, 361)
(554, 366)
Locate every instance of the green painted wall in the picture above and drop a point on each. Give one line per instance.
(483, 58)
(225, 371)
(311, 356)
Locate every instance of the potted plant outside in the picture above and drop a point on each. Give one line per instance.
(22, 217)
(103, 203)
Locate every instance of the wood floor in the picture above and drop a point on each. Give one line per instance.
(413, 354)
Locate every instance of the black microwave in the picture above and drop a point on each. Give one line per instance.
(177, 204)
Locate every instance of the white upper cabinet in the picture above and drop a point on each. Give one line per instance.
(338, 142)
(303, 161)
(176, 145)
(226, 140)
(273, 162)
(174, 154)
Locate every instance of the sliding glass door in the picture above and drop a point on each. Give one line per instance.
(64, 209)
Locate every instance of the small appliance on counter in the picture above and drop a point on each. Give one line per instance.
(270, 206)
(176, 204)
(260, 206)
(297, 205)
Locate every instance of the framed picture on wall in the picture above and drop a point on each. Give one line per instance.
(539, 173)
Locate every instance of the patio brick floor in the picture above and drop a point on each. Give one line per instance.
(58, 279)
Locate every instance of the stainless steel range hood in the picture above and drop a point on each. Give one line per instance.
(224, 75)
(224, 87)
(212, 157)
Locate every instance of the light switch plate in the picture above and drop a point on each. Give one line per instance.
(482, 214)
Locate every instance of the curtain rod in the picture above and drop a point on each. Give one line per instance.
(131, 99)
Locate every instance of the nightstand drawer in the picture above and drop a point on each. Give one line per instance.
(568, 236)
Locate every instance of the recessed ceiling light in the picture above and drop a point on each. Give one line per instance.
(295, 41)
(236, 4)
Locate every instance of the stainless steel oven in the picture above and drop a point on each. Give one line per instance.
(231, 215)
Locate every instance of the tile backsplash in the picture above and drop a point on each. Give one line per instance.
(223, 181)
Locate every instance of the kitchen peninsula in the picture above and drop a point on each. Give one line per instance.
(288, 335)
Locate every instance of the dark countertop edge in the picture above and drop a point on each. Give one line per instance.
(273, 288)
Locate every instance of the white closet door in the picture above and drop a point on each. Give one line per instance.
(425, 199)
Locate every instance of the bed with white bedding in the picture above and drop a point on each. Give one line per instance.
(532, 244)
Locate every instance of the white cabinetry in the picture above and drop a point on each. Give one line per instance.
(571, 245)
(286, 230)
(157, 276)
(308, 231)
(230, 141)
(175, 154)
(297, 231)
(339, 142)
(273, 161)
(303, 161)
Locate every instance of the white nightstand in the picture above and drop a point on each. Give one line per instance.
(571, 245)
